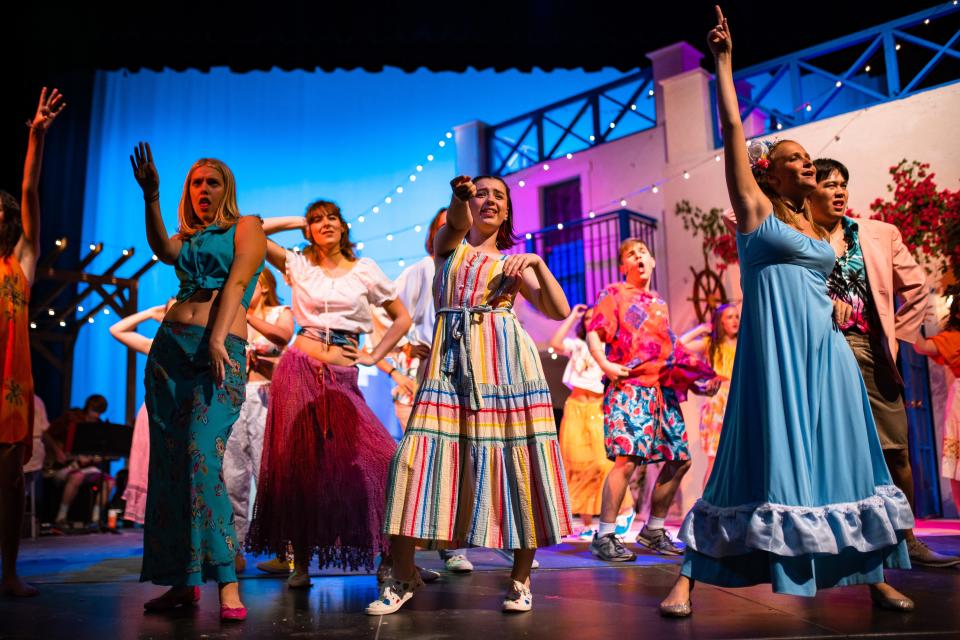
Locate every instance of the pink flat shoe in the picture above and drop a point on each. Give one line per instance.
(166, 602)
(233, 614)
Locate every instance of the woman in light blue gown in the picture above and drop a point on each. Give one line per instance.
(800, 496)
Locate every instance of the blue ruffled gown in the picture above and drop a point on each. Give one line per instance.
(800, 495)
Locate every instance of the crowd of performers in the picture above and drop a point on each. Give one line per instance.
(808, 483)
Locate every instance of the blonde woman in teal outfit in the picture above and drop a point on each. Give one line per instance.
(195, 381)
(800, 495)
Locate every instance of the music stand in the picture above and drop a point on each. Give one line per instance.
(107, 440)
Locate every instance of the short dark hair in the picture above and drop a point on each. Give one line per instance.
(826, 166)
(96, 402)
(11, 227)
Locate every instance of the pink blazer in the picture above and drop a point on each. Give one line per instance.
(891, 273)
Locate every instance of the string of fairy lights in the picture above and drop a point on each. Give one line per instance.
(652, 188)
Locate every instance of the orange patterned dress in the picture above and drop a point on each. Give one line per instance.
(16, 399)
(948, 346)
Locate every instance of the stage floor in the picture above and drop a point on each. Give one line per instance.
(89, 589)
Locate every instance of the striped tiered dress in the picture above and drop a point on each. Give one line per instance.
(479, 463)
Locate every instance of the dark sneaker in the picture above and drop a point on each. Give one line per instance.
(921, 554)
(610, 548)
(658, 541)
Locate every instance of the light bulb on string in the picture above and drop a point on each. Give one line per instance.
(360, 246)
(546, 167)
(376, 209)
(419, 168)
(399, 189)
(650, 93)
(655, 189)
(389, 237)
(401, 263)
(633, 107)
(388, 199)
(613, 125)
(90, 320)
(592, 138)
(442, 143)
(592, 215)
(716, 158)
(522, 183)
(686, 175)
(418, 228)
(569, 156)
(528, 236)
(559, 226)
(623, 202)
(430, 158)
(449, 135)
(361, 219)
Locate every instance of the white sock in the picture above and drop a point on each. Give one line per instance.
(654, 522)
(606, 527)
(62, 513)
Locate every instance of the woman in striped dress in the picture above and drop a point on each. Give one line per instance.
(479, 463)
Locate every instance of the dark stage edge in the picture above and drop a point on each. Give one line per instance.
(90, 591)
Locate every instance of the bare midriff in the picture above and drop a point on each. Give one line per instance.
(323, 352)
(200, 310)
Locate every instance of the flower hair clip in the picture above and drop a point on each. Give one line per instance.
(758, 152)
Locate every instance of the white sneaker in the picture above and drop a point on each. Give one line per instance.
(428, 575)
(299, 581)
(393, 596)
(458, 564)
(518, 598)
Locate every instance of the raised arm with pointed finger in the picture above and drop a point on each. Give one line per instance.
(145, 171)
(749, 203)
(459, 218)
(28, 247)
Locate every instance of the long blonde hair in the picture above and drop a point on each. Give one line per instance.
(780, 207)
(227, 213)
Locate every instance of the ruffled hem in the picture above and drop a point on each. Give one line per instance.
(787, 530)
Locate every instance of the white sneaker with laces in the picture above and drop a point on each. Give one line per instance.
(393, 596)
(518, 598)
(458, 564)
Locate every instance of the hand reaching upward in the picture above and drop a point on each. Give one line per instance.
(144, 170)
(48, 109)
(719, 39)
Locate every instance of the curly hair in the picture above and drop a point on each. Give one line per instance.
(11, 226)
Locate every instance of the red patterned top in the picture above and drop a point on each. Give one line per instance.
(635, 324)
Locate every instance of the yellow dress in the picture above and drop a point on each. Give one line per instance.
(711, 413)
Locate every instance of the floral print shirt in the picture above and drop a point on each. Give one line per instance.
(848, 282)
(635, 325)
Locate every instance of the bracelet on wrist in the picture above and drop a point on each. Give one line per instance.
(391, 372)
(151, 198)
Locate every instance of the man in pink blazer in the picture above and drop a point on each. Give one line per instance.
(873, 266)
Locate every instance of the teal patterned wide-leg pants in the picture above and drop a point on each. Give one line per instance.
(188, 534)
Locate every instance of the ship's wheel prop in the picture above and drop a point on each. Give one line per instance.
(708, 291)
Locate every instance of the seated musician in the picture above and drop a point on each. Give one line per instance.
(74, 471)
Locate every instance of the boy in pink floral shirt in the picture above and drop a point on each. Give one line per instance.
(649, 373)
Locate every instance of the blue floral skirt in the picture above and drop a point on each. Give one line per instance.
(645, 422)
(188, 532)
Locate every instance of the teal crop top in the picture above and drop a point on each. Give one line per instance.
(205, 260)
